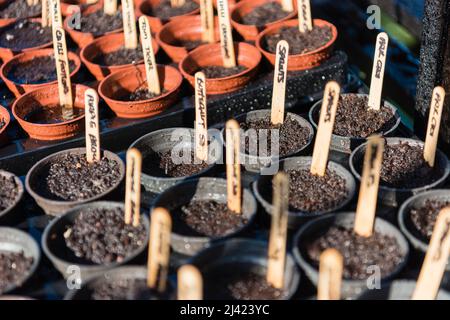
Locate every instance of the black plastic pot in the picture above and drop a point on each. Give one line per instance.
(237, 256)
(315, 228)
(348, 144)
(14, 240)
(201, 189)
(397, 290)
(54, 245)
(394, 197)
(7, 215)
(57, 207)
(263, 189)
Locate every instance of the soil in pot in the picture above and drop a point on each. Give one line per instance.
(299, 43)
(24, 34)
(9, 191)
(188, 44)
(424, 217)
(51, 114)
(165, 10)
(13, 265)
(265, 14)
(99, 23)
(119, 57)
(167, 168)
(125, 289)
(215, 72)
(101, 236)
(19, 9)
(139, 95)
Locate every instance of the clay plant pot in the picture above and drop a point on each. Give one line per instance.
(394, 197)
(119, 83)
(210, 55)
(6, 118)
(238, 256)
(102, 45)
(186, 28)
(83, 4)
(250, 32)
(143, 8)
(39, 171)
(8, 215)
(299, 61)
(348, 144)
(262, 188)
(14, 240)
(19, 89)
(398, 290)
(4, 22)
(201, 189)
(46, 96)
(62, 257)
(312, 230)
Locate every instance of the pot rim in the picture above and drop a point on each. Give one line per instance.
(6, 117)
(21, 191)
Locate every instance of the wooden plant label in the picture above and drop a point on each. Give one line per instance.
(305, 22)
(207, 19)
(434, 123)
(367, 200)
(129, 24)
(325, 128)
(436, 259)
(279, 82)
(177, 3)
(110, 7)
(278, 231)
(379, 64)
(330, 275)
(151, 69)
(159, 249)
(92, 126)
(226, 38)
(201, 119)
(133, 187)
(56, 13)
(233, 166)
(46, 18)
(30, 2)
(190, 283)
(287, 5)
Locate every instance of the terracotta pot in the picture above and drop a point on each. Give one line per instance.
(66, 4)
(8, 53)
(18, 88)
(44, 96)
(210, 55)
(143, 8)
(134, 78)
(4, 22)
(107, 44)
(299, 61)
(187, 28)
(4, 115)
(250, 32)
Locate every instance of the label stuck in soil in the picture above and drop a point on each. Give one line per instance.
(226, 38)
(63, 71)
(304, 16)
(379, 63)
(110, 7)
(151, 70)
(233, 166)
(92, 126)
(133, 187)
(201, 122)
(434, 122)
(207, 19)
(190, 283)
(279, 82)
(330, 275)
(129, 24)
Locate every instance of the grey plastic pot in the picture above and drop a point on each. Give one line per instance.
(7, 216)
(348, 144)
(14, 240)
(54, 245)
(262, 188)
(397, 290)
(236, 256)
(39, 171)
(315, 228)
(394, 197)
(201, 189)
(165, 140)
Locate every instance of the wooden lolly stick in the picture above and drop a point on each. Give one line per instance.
(233, 166)
(305, 22)
(207, 19)
(35, 2)
(330, 275)
(201, 118)
(177, 3)
(367, 200)
(46, 20)
(279, 82)
(110, 7)
(30, 2)
(56, 13)
(226, 37)
(278, 231)
(133, 187)
(92, 126)
(287, 5)
(159, 249)
(436, 259)
(434, 123)
(379, 64)
(190, 283)
(325, 128)
(151, 69)
(129, 24)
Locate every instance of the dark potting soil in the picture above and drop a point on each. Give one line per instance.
(265, 14)
(207, 218)
(52, 114)
(424, 217)
(292, 136)
(299, 43)
(215, 72)
(19, 9)
(100, 235)
(9, 191)
(13, 267)
(124, 289)
(99, 23)
(310, 193)
(139, 94)
(167, 167)
(189, 45)
(119, 57)
(37, 70)
(359, 252)
(165, 11)
(24, 34)
(71, 177)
